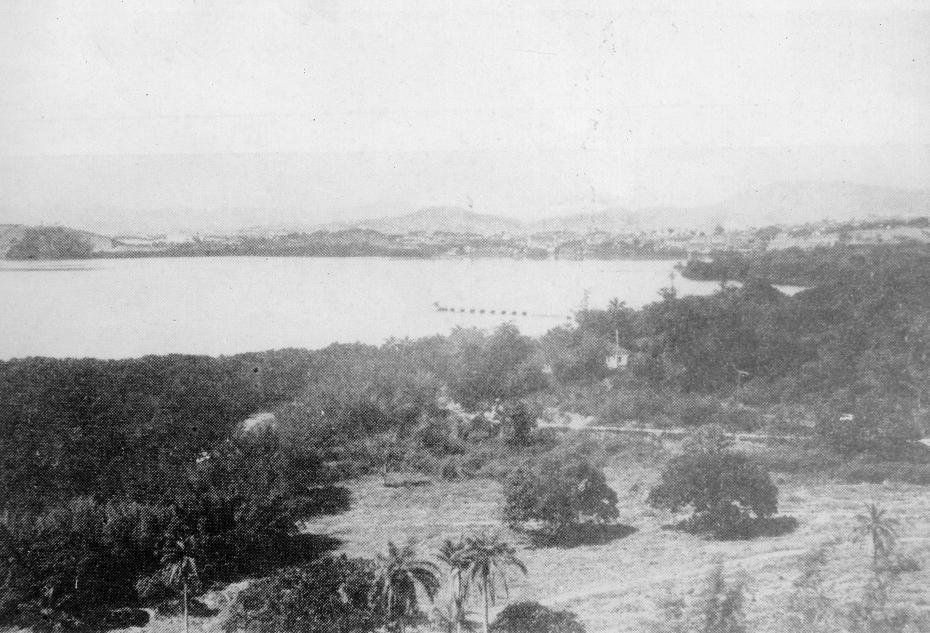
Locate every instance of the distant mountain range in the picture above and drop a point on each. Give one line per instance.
(788, 203)
(779, 203)
(802, 202)
(443, 219)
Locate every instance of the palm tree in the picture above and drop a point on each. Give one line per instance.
(179, 567)
(451, 619)
(488, 559)
(398, 576)
(452, 555)
(875, 524)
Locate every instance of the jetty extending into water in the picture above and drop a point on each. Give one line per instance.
(493, 311)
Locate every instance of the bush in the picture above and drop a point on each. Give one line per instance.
(559, 495)
(332, 595)
(532, 617)
(727, 492)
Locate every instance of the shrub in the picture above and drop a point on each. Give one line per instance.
(721, 605)
(518, 422)
(716, 608)
(437, 437)
(726, 492)
(532, 617)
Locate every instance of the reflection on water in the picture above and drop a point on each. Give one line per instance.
(120, 308)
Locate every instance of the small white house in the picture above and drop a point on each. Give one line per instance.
(618, 358)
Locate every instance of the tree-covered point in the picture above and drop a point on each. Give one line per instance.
(808, 267)
(51, 242)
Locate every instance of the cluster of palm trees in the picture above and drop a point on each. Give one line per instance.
(480, 561)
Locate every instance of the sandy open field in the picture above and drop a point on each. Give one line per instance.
(613, 587)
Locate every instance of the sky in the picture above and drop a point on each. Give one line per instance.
(230, 113)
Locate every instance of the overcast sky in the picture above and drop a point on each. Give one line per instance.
(229, 112)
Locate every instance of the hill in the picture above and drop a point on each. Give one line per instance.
(609, 220)
(798, 202)
(44, 240)
(9, 234)
(443, 219)
(802, 202)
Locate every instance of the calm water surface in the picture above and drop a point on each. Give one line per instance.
(123, 308)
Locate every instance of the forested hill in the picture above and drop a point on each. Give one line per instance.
(49, 242)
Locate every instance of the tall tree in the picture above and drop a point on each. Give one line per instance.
(453, 555)
(489, 558)
(180, 569)
(398, 575)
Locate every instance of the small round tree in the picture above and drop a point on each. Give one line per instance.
(560, 496)
(532, 617)
(727, 492)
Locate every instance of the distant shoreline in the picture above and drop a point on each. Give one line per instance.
(414, 256)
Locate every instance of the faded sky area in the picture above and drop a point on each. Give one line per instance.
(225, 113)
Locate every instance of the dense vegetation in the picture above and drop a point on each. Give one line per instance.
(114, 429)
(848, 357)
(113, 469)
(126, 483)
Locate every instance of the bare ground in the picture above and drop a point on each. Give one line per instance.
(613, 587)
